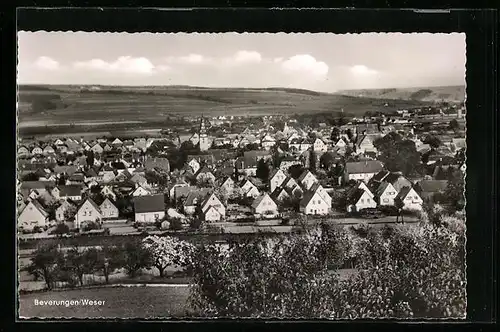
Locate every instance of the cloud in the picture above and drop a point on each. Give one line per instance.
(192, 58)
(305, 64)
(46, 63)
(362, 70)
(247, 57)
(124, 64)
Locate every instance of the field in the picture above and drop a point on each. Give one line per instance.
(120, 302)
(147, 107)
(431, 94)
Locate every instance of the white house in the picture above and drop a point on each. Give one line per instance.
(210, 203)
(386, 193)
(108, 209)
(32, 215)
(195, 165)
(193, 198)
(322, 192)
(307, 179)
(89, 211)
(319, 146)
(140, 191)
(360, 199)
(313, 203)
(149, 209)
(249, 189)
(268, 142)
(276, 179)
(61, 210)
(410, 198)
(107, 191)
(264, 205)
(227, 185)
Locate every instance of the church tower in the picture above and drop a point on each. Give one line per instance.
(204, 143)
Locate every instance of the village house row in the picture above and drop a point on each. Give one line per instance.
(57, 175)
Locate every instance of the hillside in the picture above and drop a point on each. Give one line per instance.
(49, 105)
(429, 94)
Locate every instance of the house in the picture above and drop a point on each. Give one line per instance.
(36, 151)
(265, 205)
(313, 203)
(138, 179)
(61, 210)
(360, 199)
(23, 151)
(117, 142)
(268, 142)
(212, 208)
(397, 179)
(410, 198)
(276, 179)
(40, 186)
(140, 191)
(195, 139)
(362, 170)
(204, 175)
(307, 179)
(280, 195)
(65, 192)
(194, 198)
(172, 186)
(97, 148)
(48, 150)
(108, 209)
(149, 209)
(194, 164)
(249, 189)
(319, 146)
(385, 193)
(87, 212)
(107, 191)
(429, 188)
(158, 163)
(32, 215)
(364, 144)
(227, 184)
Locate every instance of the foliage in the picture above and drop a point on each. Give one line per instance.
(176, 224)
(326, 160)
(295, 171)
(164, 251)
(107, 259)
(91, 226)
(61, 229)
(404, 273)
(454, 192)
(454, 125)
(30, 177)
(44, 264)
(335, 134)
(398, 154)
(77, 263)
(433, 141)
(135, 257)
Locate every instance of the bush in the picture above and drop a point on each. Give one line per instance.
(38, 229)
(91, 226)
(176, 224)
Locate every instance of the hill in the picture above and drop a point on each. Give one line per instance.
(428, 94)
(62, 104)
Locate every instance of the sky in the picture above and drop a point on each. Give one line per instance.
(320, 61)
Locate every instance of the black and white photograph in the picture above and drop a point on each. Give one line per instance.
(241, 175)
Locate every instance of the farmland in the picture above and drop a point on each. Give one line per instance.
(429, 94)
(149, 107)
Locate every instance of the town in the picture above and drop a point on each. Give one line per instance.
(235, 179)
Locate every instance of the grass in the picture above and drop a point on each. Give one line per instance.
(446, 93)
(120, 302)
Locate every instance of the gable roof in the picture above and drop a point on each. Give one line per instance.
(153, 203)
(91, 201)
(259, 199)
(308, 196)
(38, 206)
(355, 195)
(304, 174)
(196, 195)
(362, 167)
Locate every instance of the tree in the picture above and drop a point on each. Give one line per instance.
(135, 257)
(90, 158)
(454, 192)
(108, 259)
(176, 224)
(335, 135)
(44, 264)
(399, 204)
(70, 212)
(30, 177)
(433, 141)
(61, 229)
(78, 263)
(398, 154)
(326, 160)
(312, 161)
(454, 125)
(165, 251)
(262, 170)
(349, 134)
